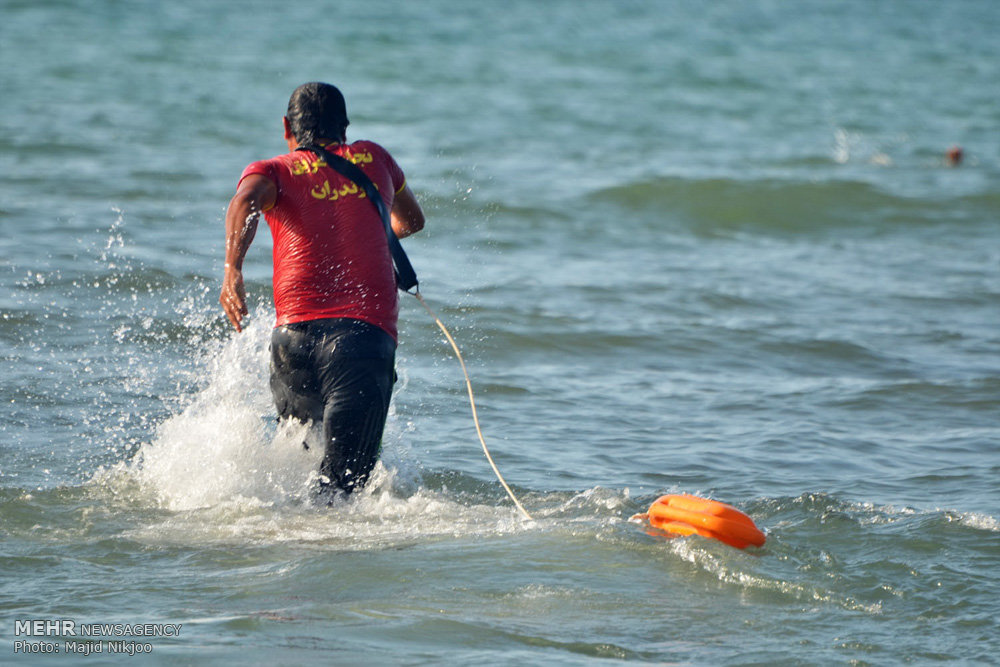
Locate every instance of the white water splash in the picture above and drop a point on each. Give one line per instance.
(223, 446)
(223, 470)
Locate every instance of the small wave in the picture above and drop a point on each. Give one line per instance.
(974, 520)
(723, 568)
(712, 205)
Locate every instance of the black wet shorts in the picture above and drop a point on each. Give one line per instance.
(338, 375)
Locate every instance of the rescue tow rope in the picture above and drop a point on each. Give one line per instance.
(472, 401)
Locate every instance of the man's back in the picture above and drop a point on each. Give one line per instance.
(331, 258)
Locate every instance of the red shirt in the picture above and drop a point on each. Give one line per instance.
(331, 256)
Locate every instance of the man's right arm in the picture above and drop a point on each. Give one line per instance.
(256, 193)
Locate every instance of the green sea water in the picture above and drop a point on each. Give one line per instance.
(710, 248)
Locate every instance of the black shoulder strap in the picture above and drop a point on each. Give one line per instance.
(406, 277)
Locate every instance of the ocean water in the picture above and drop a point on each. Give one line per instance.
(710, 248)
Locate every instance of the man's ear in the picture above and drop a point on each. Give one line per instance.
(288, 128)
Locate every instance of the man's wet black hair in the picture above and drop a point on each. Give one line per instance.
(317, 110)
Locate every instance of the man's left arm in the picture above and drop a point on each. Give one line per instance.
(407, 216)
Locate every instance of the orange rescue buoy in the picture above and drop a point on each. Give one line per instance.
(690, 515)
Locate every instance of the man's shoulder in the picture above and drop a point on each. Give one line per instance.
(364, 152)
(364, 143)
(366, 146)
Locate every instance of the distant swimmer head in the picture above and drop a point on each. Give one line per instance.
(954, 156)
(316, 111)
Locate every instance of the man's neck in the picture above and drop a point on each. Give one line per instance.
(293, 143)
